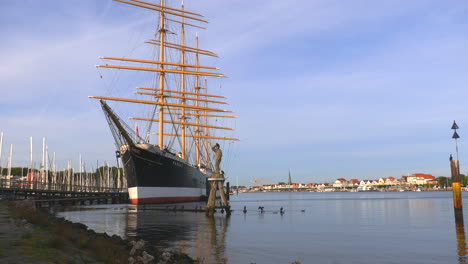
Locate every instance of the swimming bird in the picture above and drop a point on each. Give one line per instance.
(261, 209)
(245, 210)
(281, 210)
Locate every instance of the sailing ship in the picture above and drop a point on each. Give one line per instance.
(177, 167)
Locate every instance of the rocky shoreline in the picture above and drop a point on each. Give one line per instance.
(30, 235)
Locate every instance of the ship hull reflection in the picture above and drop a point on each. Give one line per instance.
(193, 233)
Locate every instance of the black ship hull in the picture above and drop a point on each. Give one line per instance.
(155, 176)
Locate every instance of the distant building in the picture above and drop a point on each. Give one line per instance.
(388, 181)
(353, 182)
(365, 183)
(340, 183)
(33, 176)
(404, 180)
(392, 181)
(420, 178)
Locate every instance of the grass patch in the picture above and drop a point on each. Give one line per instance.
(55, 240)
(61, 233)
(14, 243)
(105, 250)
(26, 235)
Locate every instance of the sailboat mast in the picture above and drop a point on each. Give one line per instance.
(43, 160)
(80, 168)
(9, 160)
(182, 87)
(47, 165)
(1, 146)
(197, 117)
(30, 155)
(54, 169)
(162, 40)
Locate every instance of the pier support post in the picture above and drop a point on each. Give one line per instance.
(216, 181)
(217, 184)
(228, 190)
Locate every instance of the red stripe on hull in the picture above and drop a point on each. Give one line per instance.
(162, 200)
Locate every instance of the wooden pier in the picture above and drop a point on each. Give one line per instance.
(55, 195)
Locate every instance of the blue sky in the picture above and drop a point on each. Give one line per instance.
(324, 88)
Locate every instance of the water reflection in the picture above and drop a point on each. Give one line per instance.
(461, 243)
(211, 240)
(199, 236)
(110, 219)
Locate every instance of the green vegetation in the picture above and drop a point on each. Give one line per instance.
(17, 171)
(444, 181)
(42, 238)
(103, 170)
(49, 238)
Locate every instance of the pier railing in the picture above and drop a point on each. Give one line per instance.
(14, 184)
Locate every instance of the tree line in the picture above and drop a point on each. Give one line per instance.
(23, 171)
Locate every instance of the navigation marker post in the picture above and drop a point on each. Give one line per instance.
(455, 171)
(457, 199)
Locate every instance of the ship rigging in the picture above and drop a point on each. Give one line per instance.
(180, 104)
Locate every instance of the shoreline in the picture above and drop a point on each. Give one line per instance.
(31, 235)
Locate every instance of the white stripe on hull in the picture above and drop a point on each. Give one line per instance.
(157, 192)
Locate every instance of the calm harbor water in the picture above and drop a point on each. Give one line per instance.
(371, 227)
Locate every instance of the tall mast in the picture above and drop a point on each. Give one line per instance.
(80, 168)
(69, 173)
(54, 169)
(47, 165)
(180, 102)
(162, 40)
(9, 160)
(31, 154)
(197, 117)
(1, 146)
(43, 160)
(182, 86)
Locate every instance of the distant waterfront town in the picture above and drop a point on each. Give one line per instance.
(114, 178)
(413, 182)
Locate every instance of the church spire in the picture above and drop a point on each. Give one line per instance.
(289, 178)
